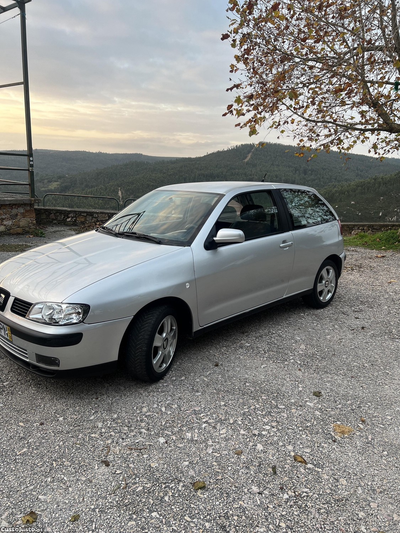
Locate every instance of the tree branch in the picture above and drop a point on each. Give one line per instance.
(395, 128)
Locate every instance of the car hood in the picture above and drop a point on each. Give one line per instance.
(56, 271)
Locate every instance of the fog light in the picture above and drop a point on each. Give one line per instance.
(48, 361)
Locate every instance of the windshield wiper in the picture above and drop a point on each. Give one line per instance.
(105, 229)
(133, 234)
(137, 235)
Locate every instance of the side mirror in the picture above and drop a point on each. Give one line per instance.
(228, 236)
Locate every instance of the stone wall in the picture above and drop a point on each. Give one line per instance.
(17, 216)
(82, 218)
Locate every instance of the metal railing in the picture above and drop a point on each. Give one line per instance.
(14, 183)
(20, 4)
(5, 182)
(88, 197)
(129, 201)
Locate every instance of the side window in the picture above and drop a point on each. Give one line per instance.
(255, 213)
(306, 208)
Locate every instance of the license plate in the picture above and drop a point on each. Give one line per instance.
(5, 331)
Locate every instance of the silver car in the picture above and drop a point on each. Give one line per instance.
(181, 259)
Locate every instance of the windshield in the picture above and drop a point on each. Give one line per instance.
(172, 217)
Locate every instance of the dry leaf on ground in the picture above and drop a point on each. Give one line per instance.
(299, 459)
(341, 430)
(29, 518)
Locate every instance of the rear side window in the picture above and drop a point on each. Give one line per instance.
(306, 208)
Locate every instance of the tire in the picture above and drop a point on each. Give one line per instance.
(151, 343)
(325, 286)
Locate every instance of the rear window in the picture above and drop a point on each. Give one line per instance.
(306, 208)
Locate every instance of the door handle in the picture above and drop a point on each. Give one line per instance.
(286, 244)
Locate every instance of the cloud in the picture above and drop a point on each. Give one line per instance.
(117, 75)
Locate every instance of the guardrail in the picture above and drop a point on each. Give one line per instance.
(129, 201)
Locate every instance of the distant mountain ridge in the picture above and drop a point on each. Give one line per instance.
(67, 162)
(351, 184)
(274, 162)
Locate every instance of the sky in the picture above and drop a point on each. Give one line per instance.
(145, 76)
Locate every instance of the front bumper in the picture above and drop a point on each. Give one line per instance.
(48, 350)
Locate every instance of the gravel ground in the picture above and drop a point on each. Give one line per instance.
(112, 455)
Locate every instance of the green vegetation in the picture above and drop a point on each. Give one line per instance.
(274, 162)
(360, 188)
(386, 240)
(39, 233)
(373, 200)
(65, 162)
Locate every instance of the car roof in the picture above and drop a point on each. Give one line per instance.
(225, 187)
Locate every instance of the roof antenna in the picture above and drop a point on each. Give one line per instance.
(265, 175)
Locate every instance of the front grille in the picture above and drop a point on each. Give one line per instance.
(12, 348)
(20, 307)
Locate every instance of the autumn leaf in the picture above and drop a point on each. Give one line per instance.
(30, 518)
(199, 485)
(74, 518)
(342, 431)
(299, 459)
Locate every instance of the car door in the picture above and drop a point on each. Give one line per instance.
(237, 277)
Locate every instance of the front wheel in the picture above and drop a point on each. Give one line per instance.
(325, 286)
(151, 343)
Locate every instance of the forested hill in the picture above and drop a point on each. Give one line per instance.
(373, 200)
(64, 162)
(275, 162)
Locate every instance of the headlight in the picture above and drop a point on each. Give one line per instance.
(58, 314)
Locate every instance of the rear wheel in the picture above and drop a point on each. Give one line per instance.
(325, 286)
(151, 343)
